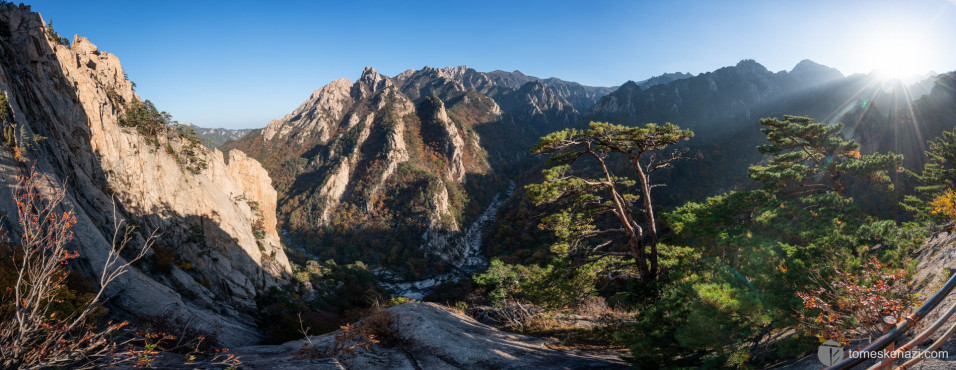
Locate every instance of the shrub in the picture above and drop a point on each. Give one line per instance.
(395, 301)
(850, 303)
(163, 259)
(374, 329)
(52, 34)
(154, 125)
(944, 205)
(507, 280)
(703, 315)
(33, 333)
(144, 116)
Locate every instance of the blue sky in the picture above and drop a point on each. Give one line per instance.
(239, 64)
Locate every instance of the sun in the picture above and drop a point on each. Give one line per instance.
(897, 55)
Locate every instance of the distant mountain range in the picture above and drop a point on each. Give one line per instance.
(215, 137)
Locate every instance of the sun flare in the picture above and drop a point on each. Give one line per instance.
(897, 56)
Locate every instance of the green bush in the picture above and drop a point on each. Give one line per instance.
(703, 315)
(155, 126)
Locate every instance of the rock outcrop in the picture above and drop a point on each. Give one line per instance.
(216, 221)
(937, 262)
(317, 117)
(430, 336)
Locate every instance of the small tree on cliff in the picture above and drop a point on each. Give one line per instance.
(596, 214)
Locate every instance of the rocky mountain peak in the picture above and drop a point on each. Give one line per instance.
(457, 72)
(372, 81)
(317, 116)
(810, 73)
(513, 80)
(664, 79)
(532, 87)
(629, 86)
(806, 64)
(751, 67)
(369, 71)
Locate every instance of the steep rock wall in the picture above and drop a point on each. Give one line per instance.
(218, 222)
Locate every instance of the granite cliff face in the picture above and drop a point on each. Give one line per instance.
(217, 223)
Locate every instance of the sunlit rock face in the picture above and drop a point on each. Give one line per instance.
(218, 224)
(388, 170)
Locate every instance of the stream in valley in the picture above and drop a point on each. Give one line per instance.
(469, 242)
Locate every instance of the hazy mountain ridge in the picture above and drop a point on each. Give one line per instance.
(663, 79)
(723, 108)
(215, 137)
(726, 93)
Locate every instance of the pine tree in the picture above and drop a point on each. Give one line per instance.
(597, 212)
(937, 178)
(813, 157)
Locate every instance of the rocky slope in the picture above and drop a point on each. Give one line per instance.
(218, 246)
(429, 336)
(417, 157)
